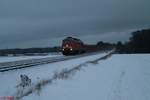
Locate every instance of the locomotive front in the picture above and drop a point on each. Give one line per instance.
(72, 46)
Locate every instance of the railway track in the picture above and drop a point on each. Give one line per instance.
(7, 66)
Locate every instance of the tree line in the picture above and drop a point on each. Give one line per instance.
(139, 42)
(28, 51)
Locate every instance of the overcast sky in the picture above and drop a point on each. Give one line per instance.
(43, 23)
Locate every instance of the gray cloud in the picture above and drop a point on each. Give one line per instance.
(34, 23)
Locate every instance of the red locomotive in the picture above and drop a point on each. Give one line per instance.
(72, 46)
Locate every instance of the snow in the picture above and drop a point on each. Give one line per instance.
(9, 59)
(120, 77)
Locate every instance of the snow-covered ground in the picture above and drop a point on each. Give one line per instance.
(9, 59)
(120, 77)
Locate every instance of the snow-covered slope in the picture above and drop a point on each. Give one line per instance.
(120, 77)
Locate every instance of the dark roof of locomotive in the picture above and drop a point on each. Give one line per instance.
(72, 39)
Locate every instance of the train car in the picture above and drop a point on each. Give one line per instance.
(72, 46)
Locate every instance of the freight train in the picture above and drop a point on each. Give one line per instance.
(72, 46)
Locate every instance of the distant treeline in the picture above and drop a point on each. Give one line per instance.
(138, 43)
(105, 45)
(28, 51)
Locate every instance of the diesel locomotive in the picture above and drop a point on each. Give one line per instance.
(72, 46)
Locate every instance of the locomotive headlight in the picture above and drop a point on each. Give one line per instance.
(71, 49)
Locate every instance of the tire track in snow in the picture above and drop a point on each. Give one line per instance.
(117, 92)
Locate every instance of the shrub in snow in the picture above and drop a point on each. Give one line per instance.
(25, 81)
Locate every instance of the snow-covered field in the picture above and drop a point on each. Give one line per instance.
(120, 77)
